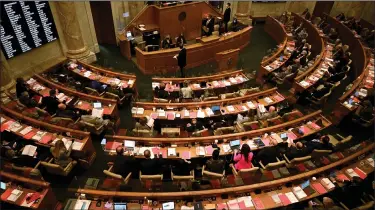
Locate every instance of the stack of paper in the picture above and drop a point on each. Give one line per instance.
(261, 108)
(230, 108)
(233, 204)
(67, 142)
(97, 113)
(209, 111)
(303, 83)
(38, 136)
(247, 201)
(226, 148)
(268, 100)
(15, 127)
(200, 114)
(299, 192)
(29, 150)
(171, 151)
(275, 197)
(350, 172)
(327, 183)
(370, 161)
(77, 145)
(291, 197)
(186, 113)
(14, 195)
(26, 130)
(200, 151)
(250, 105)
(82, 204)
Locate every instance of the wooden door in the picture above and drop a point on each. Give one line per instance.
(103, 22)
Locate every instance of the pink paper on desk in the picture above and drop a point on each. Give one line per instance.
(319, 188)
(154, 115)
(305, 129)
(155, 150)
(243, 206)
(342, 177)
(193, 114)
(315, 126)
(170, 115)
(209, 150)
(278, 97)
(186, 155)
(106, 110)
(46, 138)
(221, 206)
(292, 136)
(360, 173)
(258, 203)
(284, 199)
(221, 84)
(233, 206)
(266, 141)
(124, 84)
(164, 152)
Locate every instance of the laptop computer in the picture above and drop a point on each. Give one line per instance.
(168, 206)
(284, 136)
(97, 105)
(3, 186)
(119, 206)
(129, 145)
(235, 144)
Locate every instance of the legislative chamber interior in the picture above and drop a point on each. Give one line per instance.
(191, 105)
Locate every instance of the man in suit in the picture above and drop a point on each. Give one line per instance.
(194, 126)
(210, 23)
(296, 150)
(151, 166)
(50, 102)
(181, 60)
(63, 112)
(320, 143)
(227, 16)
(123, 164)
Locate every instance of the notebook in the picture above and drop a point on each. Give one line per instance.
(319, 188)
(291, 197)
(299, 193)
(29, 150)
(284, 199)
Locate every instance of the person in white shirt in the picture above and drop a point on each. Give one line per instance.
(186, 91)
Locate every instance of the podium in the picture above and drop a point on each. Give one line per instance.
(227, 59)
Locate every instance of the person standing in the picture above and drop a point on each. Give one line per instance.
(227, 13)
(181, 59)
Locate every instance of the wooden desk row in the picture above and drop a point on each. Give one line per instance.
(109, 109)
(264, 198)
(89, 73)
(355, 46)
(349, 101)
(108, 72)
(312, 75)
(313, 117)
(28, 188)
(217, 81)
(227, 106)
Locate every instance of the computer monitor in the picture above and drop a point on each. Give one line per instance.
(119, 206)
(3, 185)
(128, 34)
(168, 206)
(129, 144)
(97, 105)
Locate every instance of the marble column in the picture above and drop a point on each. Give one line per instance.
(6, 80)
(243, 12)
(76, 46)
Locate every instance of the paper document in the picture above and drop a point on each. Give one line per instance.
(171, 151)
(26, 130)
(77, 145)
(97, 112)
(29, 150)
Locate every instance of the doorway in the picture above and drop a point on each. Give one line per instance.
(103, 22)
(322, 7)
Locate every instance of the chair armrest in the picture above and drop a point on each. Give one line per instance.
(286, 159)
(127, 178)
(110, 163)
(343, 206)
(204, 166)
(278, 160)
(79, 118)
(37, 165)
(50, 161)
(261, 164)
(234, 171)
(110, 168)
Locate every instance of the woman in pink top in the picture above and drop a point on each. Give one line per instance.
(243, 158)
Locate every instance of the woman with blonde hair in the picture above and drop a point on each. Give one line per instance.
(61, 154)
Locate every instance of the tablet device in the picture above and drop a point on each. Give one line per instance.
(235, 144)
(283, 136)
(97, 105)
(119, 206)
(3, 185)
(168, 206)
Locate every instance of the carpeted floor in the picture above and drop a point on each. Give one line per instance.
(110, 57)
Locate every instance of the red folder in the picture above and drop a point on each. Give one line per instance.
(340, 155)
(258, 203)
(319, 188)
(85, 106)
(155, 150)
(325, 161)
(278, 98)
(170, 116)
(46, 138)
(154, 116)
(193, 114)
(342, 177)
(112, 145)
(315, 126)
(106, 110)
(164, 152)
(221, 206)
(5, 125)
(292, 136)
(301, 167)
(284, 199)
(360, 173)
(243, 206)
(6, 194)
(30, 134)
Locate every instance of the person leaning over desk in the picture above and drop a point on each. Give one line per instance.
(60, 154)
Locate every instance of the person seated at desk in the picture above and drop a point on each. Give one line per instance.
(364, 112)
(151, 166)
(243, 158)
(123, 164)
(302, 34)
(50, 102)
(186, 92)
(336, 77)
(96, 121)
(319, 143)
(21, 87)
(327, 203)
(298, 28)
(338, 45)
(283, 17)
(194, 126)
(160, 92)
(181, 167)
(250, 116)
(323, 22)
(166, 43)
(235, 26)
(303, 58)
(208, 27)
(340, 17)
(320, 91)
(306, 14)
(26, 100)
(296, 150)
(60, 154)
(181, 40)
(269, 154)
(267, 115)
(333, 35)
(142, 124)
(215, 164)
(65, 113)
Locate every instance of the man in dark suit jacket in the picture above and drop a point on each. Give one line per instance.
(181, 60)
(123, 164)
(320, 143)
(210, 23)
(50, 102)
(296, 151)
(151, 166)
(227, 16)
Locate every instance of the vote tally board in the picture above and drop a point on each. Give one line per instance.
(25, 25)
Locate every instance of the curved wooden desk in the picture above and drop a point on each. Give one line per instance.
(232, 190)
(317, 46)
(209, 139)
(197, 54)
(107, 71)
